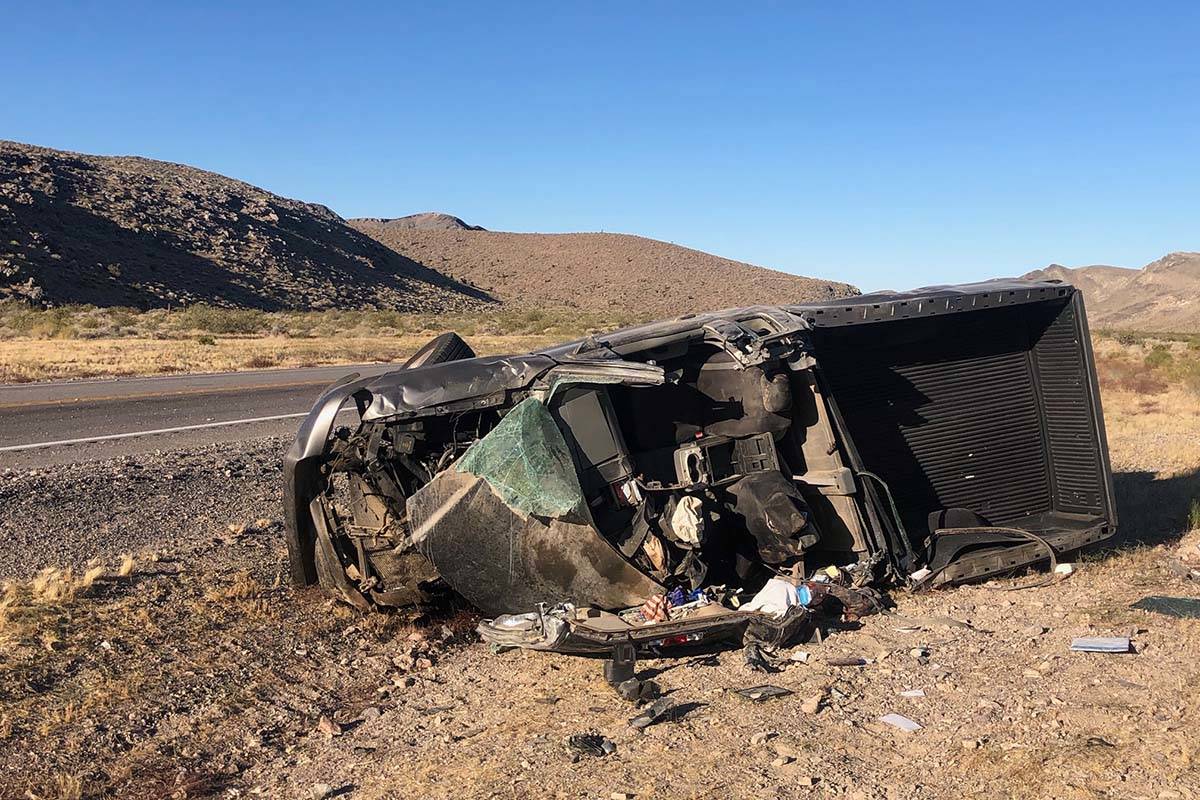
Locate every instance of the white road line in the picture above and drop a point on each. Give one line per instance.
(111, 436)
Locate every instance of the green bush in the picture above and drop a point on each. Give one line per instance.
(211, 319)
(1159, 357)
(20, 319)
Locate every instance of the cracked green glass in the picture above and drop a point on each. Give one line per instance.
(526, 461)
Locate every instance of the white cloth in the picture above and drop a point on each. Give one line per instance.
(775, 598)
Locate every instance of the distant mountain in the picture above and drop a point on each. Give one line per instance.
(593, 271)
(1164, 295)
(426, 221)
(137, 232)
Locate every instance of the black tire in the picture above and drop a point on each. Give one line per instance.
(440, 349)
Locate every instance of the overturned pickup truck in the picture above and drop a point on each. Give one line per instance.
(914, 439)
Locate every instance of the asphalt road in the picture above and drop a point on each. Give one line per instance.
(43, 424)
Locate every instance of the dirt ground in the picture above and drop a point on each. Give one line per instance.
(198, 672)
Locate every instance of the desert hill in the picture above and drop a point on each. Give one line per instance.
(137, 232)
(594, 271)
(426, 221)
(1164, 295)
(143, 233)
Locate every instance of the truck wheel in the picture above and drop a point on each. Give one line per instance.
(440, 349)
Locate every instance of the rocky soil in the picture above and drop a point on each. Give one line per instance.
(150, 234)
(63, 516)
(596, 271)
(200, 674)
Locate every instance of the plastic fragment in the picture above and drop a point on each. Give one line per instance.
(1100, 644)
(900, 722)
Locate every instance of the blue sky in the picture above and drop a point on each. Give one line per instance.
(886, 144)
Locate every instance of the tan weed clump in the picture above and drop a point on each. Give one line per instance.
(53, 586)
(246, 591)
(93, 574)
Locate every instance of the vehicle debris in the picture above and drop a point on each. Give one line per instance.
(652, 713)
(763, 692)
(900, 722)
(1101, 644)
(846, 661)
(638, 691)
(743, 476)
(1179, 607)
(757, 660)
(621, 668)
(591, 743)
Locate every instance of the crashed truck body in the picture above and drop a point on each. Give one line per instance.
(913, 439)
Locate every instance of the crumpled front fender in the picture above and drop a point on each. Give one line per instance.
(302, 477)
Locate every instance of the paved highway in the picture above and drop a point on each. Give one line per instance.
(42, 424)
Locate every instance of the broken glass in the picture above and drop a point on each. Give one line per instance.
(526, 461)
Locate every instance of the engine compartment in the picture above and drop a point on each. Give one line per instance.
(694, 481)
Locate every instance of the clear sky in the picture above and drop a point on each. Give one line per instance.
(889, 144)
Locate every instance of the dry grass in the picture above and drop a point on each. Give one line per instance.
(1152, 417)
(204, 323)
(86, 342)
(164, 683)
(23, 360)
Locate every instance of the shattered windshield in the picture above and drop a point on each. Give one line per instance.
(526, 461)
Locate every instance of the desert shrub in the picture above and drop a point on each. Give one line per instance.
(122, 317)
(1189, 376)
(1194, 514)
(22, 319)
(260, 361)
(1126, 338)
(1158, 357)
(211, 319)
(206, 340)
(1124, 375)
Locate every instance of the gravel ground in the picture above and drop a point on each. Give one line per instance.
(66, 515)
(1007, 711)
